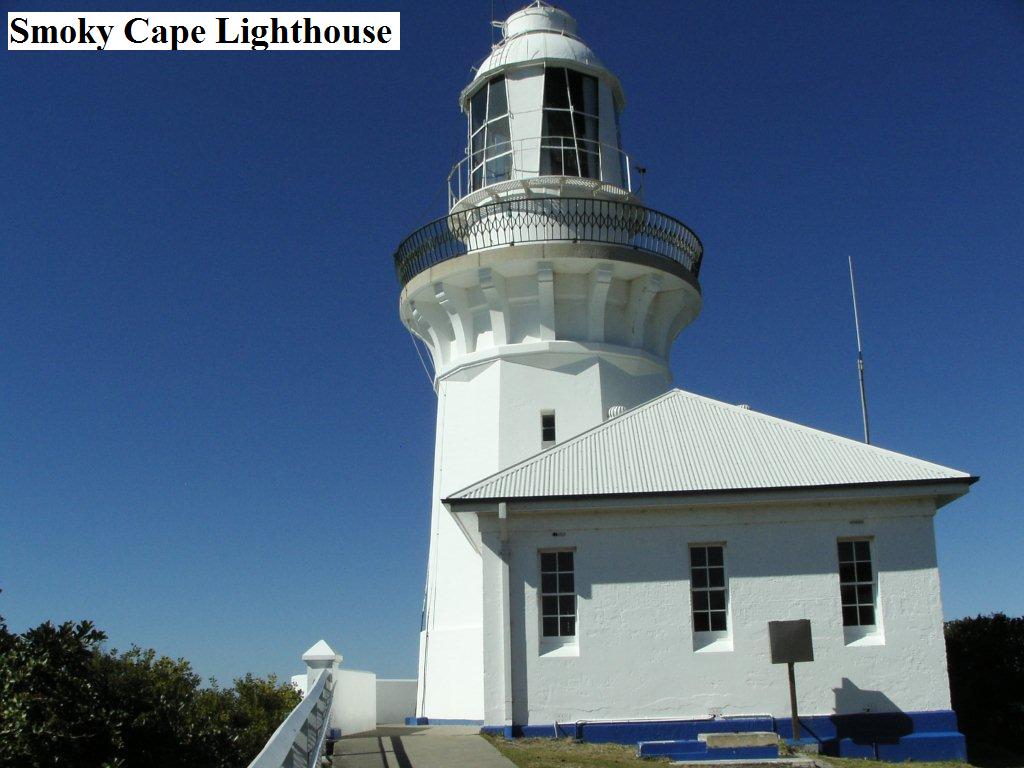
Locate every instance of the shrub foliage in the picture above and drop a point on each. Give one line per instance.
(67, 701)
(986, 680)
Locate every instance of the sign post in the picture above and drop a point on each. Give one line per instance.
(790, 642)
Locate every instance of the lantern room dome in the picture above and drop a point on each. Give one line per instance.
(539, 17)
(541, 34)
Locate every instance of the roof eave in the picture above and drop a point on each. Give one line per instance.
(944, 490)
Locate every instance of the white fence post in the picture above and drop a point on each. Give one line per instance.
(299, 741)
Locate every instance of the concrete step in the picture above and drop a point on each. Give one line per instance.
(739, 739)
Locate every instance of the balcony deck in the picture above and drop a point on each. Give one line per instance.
(646, 235)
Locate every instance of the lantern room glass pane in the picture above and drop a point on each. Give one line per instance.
(557, 123)
(497, 103)
(499, 169)
(570, 140)
(490, 137)
(498, 136)
(478, 108)
(556, 94)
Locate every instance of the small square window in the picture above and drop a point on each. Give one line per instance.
(547, 430)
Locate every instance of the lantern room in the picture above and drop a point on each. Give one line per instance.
(542, 116)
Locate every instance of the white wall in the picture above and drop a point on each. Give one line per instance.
(355, 701)
(636, 657)
(489, 418)
(396, 700)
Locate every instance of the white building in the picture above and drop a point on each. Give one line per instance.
(606, 550)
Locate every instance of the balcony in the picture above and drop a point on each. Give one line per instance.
(645, 235)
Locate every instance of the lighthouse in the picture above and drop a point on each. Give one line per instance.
(608, 551)
(548, 297)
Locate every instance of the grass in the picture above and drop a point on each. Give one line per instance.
(847, 762)
(565, 753)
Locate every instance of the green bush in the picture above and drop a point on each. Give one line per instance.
(986, 681)
(65, 701)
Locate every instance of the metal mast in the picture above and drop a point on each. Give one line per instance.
(860, 357)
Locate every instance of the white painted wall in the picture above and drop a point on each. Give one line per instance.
(635, 656)
(354, 709)
(489, 418)
(396, 700)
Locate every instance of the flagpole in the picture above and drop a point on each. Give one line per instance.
(860, 358)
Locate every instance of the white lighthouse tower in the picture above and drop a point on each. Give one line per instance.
(549, 298)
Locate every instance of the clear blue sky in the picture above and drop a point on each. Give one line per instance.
(215, 437)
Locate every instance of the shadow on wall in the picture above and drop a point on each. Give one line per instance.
(863, 721)
(868, 717)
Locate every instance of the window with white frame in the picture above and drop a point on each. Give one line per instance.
(558, 594)
(856, 583)
(708, 589)
(490, 140)
(570, 142)
(547, 429)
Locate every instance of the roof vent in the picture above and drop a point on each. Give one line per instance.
(744, 406)
(616, 410)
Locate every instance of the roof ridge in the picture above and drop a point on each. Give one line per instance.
(794, 426)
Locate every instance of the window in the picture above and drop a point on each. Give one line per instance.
(570, 143)
(490, 142)
(557, 594)
(547, 429)
(707, 587)
(856, 583)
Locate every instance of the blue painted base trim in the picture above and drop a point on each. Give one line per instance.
(440, 721)
(891, 736)
(505, 731)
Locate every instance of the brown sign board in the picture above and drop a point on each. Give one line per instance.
(790, 641)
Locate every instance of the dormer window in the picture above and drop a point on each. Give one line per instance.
(490, 142)
(570, 142)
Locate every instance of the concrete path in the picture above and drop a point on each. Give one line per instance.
(426, 746)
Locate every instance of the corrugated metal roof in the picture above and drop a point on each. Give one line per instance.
(682, 442)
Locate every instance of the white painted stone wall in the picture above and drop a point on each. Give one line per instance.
(488, 418)
(635, 656)
(354, 709)
(396, 700)
(300, 683)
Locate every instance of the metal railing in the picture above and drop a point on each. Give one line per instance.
(655, 235)
(521, 159)
(299, 741)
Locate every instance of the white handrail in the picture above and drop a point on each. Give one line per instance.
(299, 740)
(460, 181)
